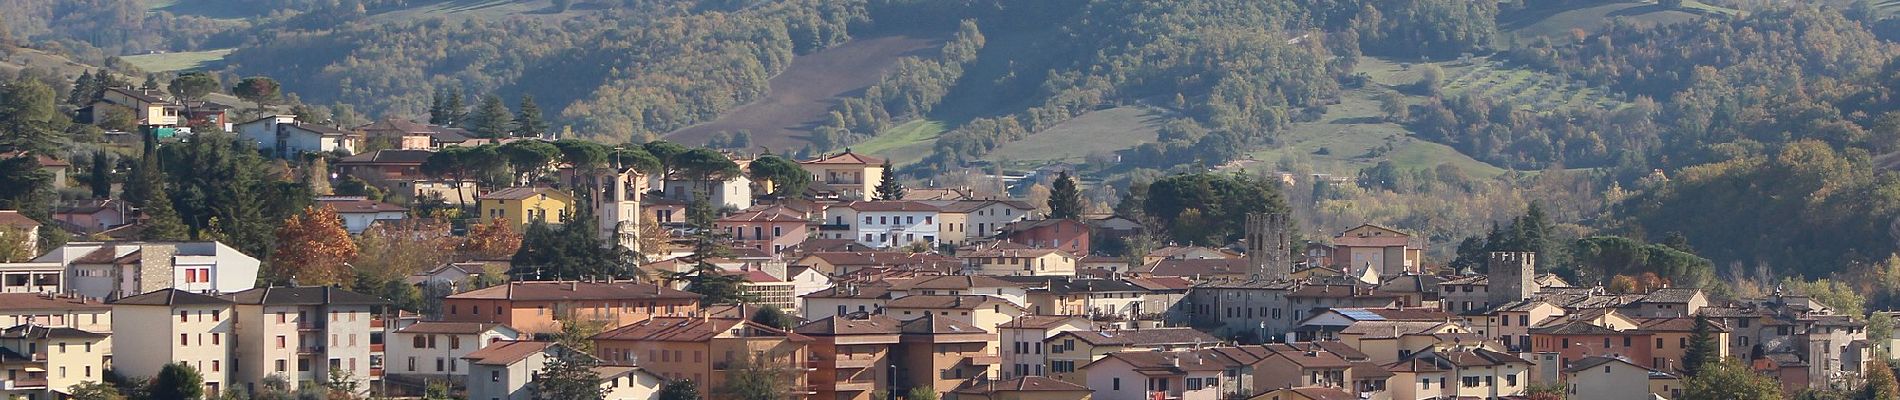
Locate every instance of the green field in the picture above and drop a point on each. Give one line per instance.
(905, 143)
(180, 61)
(1560, 23)
(1531, 90)
(1351, 137)
(1104, 131)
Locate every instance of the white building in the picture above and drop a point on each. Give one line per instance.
(302, 334)
(885, 224)
(436, 349)
(359, 213)
(284, 136)
(111, 270)
(504, 370)
(734, 192)
(986, 218)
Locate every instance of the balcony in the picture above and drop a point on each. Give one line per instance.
(309, 326)
(309, 349)
(834, 227)
(985, 359)
(376, 348)
(854, 363)
(1158, 395)
(854, 386)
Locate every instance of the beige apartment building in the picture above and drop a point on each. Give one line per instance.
(703, 349)
(55, 359)
(59, 311)
(302, 334)
(175, 326)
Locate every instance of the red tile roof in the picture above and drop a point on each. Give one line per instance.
(504, 353)
(690, 329)
(570, 290)
(846, 158)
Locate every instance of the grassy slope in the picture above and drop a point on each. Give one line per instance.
(180, 61)
(801, 96)
(1559, 22)
(905, 143)
(1104, 131)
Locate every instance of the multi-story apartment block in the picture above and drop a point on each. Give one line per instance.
(1069, 351)
(437, 349)
(539, 307)
(302, 334)
(770, 229)
(853, 176)
(110, 270)
(175, 326)
(58, 311)
(1267, 311)
(1013, 260)
(941, 352)
(51, 360)
(703, 349)
(882, 224)
(852, 355)
(1024, 351)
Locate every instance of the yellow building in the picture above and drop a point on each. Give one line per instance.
(704, 349)
(997, 261)
(851, 175)
(1671, 338)
(526, 205)
(56, 359)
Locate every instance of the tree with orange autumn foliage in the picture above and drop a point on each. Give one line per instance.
(313, 248)
(495, 240)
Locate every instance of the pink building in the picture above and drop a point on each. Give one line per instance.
(770, 229)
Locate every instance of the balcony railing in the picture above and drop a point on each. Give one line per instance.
(1160, 395)
(854, 386)
(309, 349)
(376, 348)
(984, 359)
(309, 326)
(855, 362)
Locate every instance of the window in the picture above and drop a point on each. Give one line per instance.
(420, 342)
(1626, 341)
(1469, 381)
(214, 342)
(1510, 380)
(1606, 343)
(1194, 384)
(281, 365)
(494, 376)
(1681, 343)
(214, 368)
(184, 339)
(1659, 343)
(1116, 383)
(181, 317)
(282, 342)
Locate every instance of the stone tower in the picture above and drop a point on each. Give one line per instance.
(1511, 276)
(1268, 246)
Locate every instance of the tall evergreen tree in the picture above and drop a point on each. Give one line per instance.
(1703, 348)
(85, 88)
(491, 118)
(439, 107)
(101, 176)
(1065, 201)
(889, 188)
(529, 123)
(704, 278)
(452, 108)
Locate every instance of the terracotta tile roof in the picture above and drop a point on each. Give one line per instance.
(1142, 337)
(1342, 349)
(846, 158)
(303, 295)
(171, 297)
(1369, 370)
(37, 302)
(1390, 329)
(1307, 355)
(504, 353)
(1042, 321)
(1022, 384)
(889, 206)
(1593, 361)
(570, 290)
(1195, 267)
(518, 193)
(923, 194)
(853, 292)
(1160, 283)
(764, 214)
(1172, 362)
(810, 246)
(1411, 283)
(690, 329)
(883, 258)
(953, 282)
(841, 326)
(1015, 253)
(958, 302)
(15, 219)
(388, 156)
(1323, 393)
(1184, 251)
(932, 324)
(1573, 327)
(465, 328)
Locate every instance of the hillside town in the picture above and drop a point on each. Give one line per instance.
(723, 273)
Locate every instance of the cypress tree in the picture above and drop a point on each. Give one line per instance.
(101, 176)
(1703, 350)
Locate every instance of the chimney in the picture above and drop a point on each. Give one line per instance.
(573, 286)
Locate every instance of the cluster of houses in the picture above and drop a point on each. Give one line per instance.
(999, 302)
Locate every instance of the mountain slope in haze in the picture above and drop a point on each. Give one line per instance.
(799, 98)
